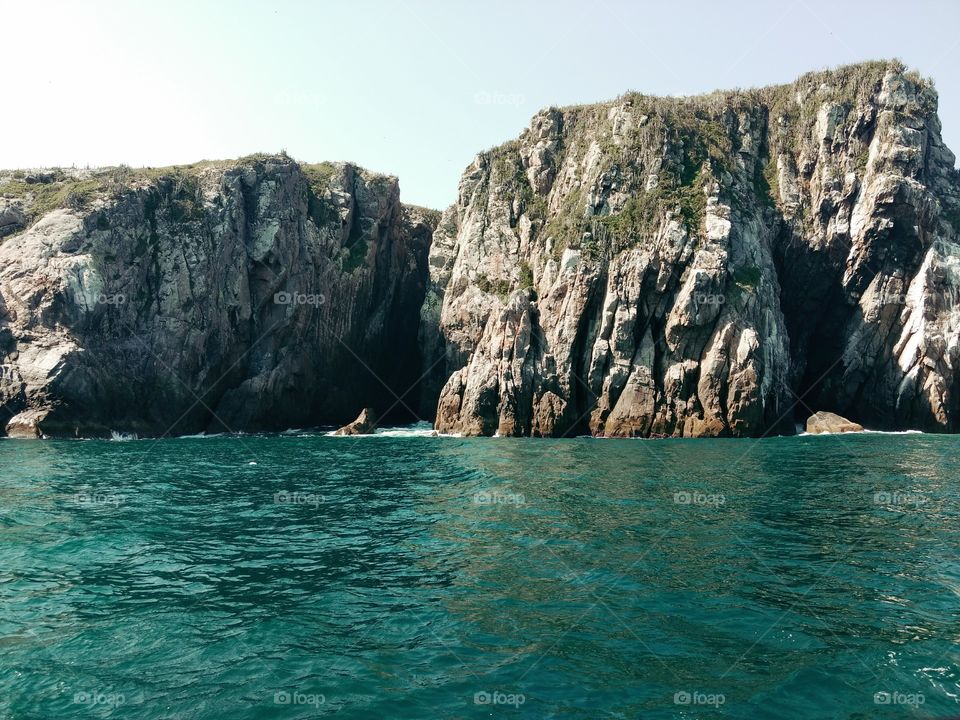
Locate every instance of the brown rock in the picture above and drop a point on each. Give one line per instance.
(363, 425)
(26, 425)
(828, 422)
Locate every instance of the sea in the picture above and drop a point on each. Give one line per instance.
(409, 575)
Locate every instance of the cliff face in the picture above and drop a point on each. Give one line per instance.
(722, 265)
(257, 294)
(715, 266)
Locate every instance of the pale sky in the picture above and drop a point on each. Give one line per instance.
(414, 89)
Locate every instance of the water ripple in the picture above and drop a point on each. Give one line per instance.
(408, 576)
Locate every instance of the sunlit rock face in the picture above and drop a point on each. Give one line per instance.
(722, 265)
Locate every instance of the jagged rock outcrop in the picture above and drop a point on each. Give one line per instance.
(12, 217)
(709, 266)
(259, 294)
(363, 425)
(827, 422)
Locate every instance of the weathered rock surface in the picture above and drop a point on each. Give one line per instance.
(12, 217)
(363, 425)
(706, 266)
(255, 294)
(828, 422)
(25, 425)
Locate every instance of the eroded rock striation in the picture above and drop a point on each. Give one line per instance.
(705, 266)
(720, 265)
(257, 294)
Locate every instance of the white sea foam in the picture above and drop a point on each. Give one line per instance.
(418, 429)
(117, 436)
(893, 432)
(866, 432)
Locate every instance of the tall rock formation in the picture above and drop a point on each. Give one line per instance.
(722, 265)
(706, 266)
(259, 294)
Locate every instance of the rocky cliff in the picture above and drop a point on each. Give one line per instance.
(259, 294)
(720, 265)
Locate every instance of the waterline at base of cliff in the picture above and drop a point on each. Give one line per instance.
(424, 429)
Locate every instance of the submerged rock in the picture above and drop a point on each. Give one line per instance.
(363, 425)
(827, 422)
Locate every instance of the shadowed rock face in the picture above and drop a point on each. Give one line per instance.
(254, 295)
(713, 266)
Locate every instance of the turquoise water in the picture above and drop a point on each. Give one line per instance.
(299, 576)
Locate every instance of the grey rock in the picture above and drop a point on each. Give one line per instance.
(25, 425)
(705, 266)
(12, 217)
(250, 295)
(647, 267)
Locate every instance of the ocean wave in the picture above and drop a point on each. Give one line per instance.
(117, 436)
(894, 432)
(418, 429)
(865, 432)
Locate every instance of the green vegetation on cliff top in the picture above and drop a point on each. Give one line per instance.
(49, 189)
(44, 190)
(701, 138)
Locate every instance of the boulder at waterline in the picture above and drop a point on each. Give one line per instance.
(828, 422)
(363, 425)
